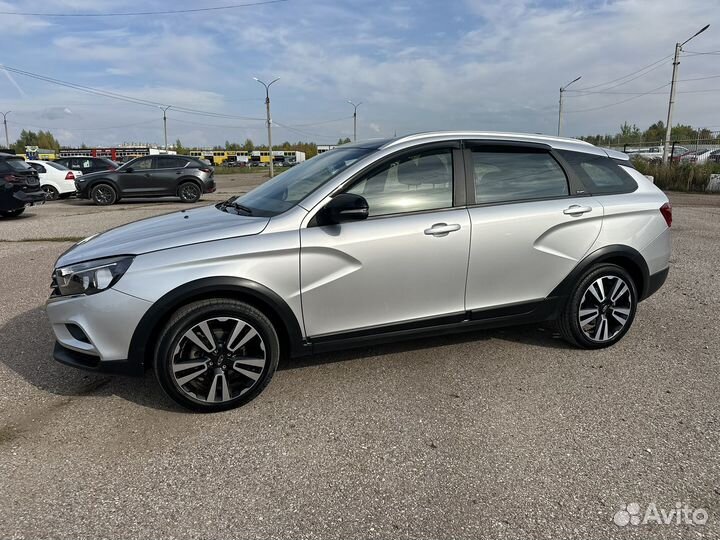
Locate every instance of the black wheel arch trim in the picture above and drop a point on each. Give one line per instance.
(626, 256)
(232, 287)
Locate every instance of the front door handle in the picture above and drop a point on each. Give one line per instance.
(576, 210)
(442, 229)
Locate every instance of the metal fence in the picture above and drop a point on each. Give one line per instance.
(678, 147)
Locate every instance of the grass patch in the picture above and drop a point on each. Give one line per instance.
(678, 176)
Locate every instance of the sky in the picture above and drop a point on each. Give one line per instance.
(414, 65)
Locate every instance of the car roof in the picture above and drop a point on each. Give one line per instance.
(559, 143)
(3, 155)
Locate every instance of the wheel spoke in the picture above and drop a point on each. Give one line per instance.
(588, 315)
(255, 362)
(239, 327)
(621, 315)
(250, 374)
(620, 289)
(187, 378)
(192, 336)
(247, 337)
(601, 331)
(182, 366)
(597, 290)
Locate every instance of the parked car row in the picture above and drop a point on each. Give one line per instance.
(101, 180)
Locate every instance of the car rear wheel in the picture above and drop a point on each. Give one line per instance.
(51, 193)
(601, 308)
(103, 195)
(189, 192)
(12, 213)
(216, 354)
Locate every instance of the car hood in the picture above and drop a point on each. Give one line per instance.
(163, 232)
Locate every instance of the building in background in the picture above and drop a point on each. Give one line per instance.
(325, 147)
(118, 153)
(33, 152)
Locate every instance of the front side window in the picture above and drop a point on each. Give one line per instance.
(141, 164)
(509, 175)
(289, 188)
(412, 183)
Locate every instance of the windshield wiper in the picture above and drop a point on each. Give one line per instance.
(236, 206)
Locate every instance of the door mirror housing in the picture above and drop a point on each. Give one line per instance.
(342, 208)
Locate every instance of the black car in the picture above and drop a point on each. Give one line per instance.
(87, 164)
(149, 176)
(19, 186)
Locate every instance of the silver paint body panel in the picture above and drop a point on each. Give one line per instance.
(368, 273)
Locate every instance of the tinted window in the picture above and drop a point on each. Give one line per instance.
(171, 162)
(516, 175)
(141, 164)
(421, 181)
(39, 168)
(18, 165)
(599, 174)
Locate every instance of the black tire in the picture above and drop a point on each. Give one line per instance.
(605, 327)
(189, 192)
(51, 193)
(12, 213)
(103, 194)
(220, 317)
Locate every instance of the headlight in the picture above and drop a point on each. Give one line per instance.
(90, 277)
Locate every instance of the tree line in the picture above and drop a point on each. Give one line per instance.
(655, 133)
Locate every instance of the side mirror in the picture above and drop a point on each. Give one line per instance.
(342, 208)
(129, 169)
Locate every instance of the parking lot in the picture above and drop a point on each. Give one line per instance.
(495, 434)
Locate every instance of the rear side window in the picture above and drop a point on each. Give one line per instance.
(171, 162)
(600, 175)
(511, 175)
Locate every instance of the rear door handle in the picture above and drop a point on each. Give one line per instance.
(442, 229)
(576, 210)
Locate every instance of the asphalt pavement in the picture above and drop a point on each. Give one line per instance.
(496, 434)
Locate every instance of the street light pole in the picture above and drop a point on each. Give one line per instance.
(7, 139)
(562, 89)
(354, 119)
(164, 110)
(269, 120)
(673, 84)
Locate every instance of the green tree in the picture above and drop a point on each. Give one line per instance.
(248, 146)
(179, 148)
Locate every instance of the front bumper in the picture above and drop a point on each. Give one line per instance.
(92, 363)
(96, 329)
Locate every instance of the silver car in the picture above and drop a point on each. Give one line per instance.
(375, 241)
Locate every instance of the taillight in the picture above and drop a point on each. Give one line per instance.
(10, 178)
(205, 169)
(666, 211)
(70, 176)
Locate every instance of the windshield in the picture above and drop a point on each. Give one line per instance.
(289, 188)
(18, 164)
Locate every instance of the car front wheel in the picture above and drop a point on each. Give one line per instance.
(600, 309)
(216, 354)
(103, 195)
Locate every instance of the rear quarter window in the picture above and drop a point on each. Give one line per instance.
(600, 175)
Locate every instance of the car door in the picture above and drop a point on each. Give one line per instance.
(135, 179)
(531, 224)
(406, 263)
(168, 171)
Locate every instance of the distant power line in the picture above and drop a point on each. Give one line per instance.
(621, 101)
(122, 97)
(642, 71)
(137, 13)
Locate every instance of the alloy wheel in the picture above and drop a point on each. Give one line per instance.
(218, 360)
(51, 194)
(189, 192)
(605, 308)
(104, 194)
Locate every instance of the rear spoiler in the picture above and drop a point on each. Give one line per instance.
(619, 157)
